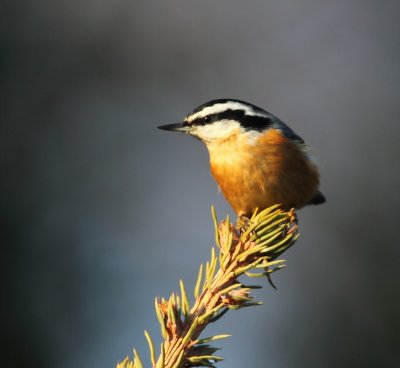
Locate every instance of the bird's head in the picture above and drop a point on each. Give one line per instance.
(223, 119)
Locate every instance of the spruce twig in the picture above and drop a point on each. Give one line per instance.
(250, 245)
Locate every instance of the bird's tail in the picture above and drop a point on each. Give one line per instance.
(319, 198)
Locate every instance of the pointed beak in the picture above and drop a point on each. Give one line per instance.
(180, 127)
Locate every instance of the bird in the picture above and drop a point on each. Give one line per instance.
(256, 159)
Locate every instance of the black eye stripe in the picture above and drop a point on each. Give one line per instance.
(230, 115)
(199, 121)
(257, 122)
(246, 121)
(225, 115)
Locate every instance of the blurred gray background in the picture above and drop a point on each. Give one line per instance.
(101, 211)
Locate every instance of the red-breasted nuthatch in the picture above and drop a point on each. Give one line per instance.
(256, 159)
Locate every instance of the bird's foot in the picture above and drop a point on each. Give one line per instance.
(242, 224)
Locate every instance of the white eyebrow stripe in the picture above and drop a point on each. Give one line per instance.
(221, 107)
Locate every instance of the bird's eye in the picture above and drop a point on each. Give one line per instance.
(206, 119)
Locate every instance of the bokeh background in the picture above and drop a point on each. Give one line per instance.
(101, 211)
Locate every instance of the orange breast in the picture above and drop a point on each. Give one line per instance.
(268, 171)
